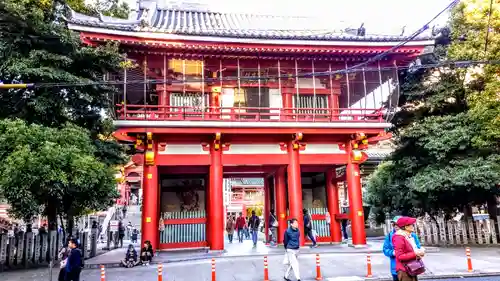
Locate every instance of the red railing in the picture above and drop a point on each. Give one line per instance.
(246, 114)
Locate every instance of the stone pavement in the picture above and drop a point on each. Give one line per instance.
(235, 250)
(334, 266)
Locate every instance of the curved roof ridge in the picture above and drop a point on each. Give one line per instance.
(234, 13)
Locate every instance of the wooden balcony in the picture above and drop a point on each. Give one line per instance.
(248, 114)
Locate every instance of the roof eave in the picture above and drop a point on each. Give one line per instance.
(225, 39)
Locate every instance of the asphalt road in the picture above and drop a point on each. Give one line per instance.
(492, 278)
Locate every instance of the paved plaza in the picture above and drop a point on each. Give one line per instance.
(334, 266)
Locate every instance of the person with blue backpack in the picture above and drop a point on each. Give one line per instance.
(389, 247)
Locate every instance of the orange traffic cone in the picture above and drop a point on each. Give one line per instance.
(213, 270)
(368, 266)
(469, 260)
(266, 269)
(103, 273)
(318, 268)
(160, 272)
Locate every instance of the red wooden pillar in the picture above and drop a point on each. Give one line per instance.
(280, 202)
(216, 216)
(287, 105)
(355, 201)
(333, 99)
(208, 213)
(150, 206)
(295, 188)
(267, 207)
(332, 195)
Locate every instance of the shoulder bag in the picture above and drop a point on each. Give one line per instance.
(415, 267)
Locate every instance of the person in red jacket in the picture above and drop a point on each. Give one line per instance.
(240, 227)
(405, 247)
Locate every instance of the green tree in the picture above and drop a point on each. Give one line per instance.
(112, 8)
(447, 155)
(36, 47)
(477, 23)
(52, 171)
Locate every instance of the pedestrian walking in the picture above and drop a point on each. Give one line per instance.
(253, 225)
(74, 262)
(389, 247)
(409, 262)
(121, 233)
(135, 234)
(308, 229)
(63, 257)
(240, 227)
(230, 228)
(291, 241)
(247, 230)
(273, 227)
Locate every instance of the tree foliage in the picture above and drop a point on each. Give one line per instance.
(446, 133)
(69, 100)
(51, 171)
(112, 8)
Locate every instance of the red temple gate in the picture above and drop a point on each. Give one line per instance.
(225, 101)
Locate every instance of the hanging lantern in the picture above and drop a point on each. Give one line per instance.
(149, 158)
(357, 155)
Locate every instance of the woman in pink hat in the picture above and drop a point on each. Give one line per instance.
(408, 256)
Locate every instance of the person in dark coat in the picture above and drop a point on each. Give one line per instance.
(253, 224)
(147, 253)
(74, 262)
(130, 257)
(121, 233)
(308, 228)
(135, 235)
(291, 241)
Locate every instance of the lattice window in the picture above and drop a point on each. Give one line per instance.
(308, 103)
(192, 102)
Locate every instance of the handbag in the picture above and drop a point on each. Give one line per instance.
(415, 267)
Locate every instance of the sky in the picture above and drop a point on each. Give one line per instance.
(379, 16)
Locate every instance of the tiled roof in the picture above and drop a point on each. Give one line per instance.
(377, 155)
(153, 17)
